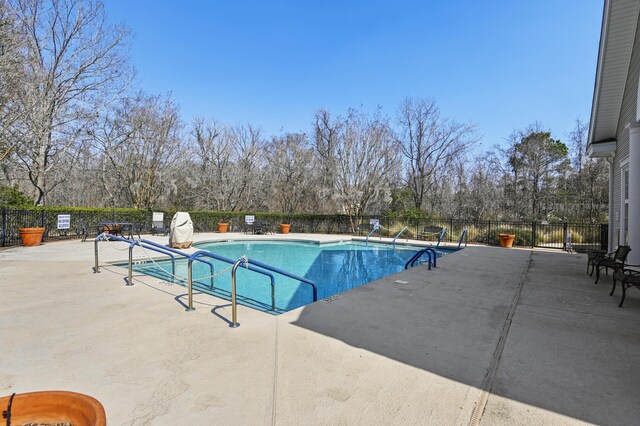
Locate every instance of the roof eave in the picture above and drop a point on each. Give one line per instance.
(602, 149)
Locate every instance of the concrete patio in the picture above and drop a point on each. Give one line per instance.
(491, 336)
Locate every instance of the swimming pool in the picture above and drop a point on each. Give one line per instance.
(334, 267)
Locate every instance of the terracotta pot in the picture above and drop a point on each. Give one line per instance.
(284, 228)
(54, 407)
(31, 236)
(506, 240)
(223, 227)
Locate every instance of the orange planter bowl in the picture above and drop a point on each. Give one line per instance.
(223, 227)
(55, 407)
(284, 228)
(506, 240)
(31, 236)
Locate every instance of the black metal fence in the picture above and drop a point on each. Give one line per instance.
(558, 235)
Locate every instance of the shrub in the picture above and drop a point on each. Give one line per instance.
(11, 196)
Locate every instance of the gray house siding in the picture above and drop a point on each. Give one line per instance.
(627, 115)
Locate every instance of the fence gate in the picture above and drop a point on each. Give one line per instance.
(565, 236)
(550, 235)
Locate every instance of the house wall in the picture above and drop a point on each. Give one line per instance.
(627, 115)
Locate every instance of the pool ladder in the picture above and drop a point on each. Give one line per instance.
(414, 259)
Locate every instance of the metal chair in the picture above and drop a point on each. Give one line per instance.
(628, 278)
(157, 226)
(614, 262)
(129, 230)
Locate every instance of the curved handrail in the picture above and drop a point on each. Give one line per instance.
(253, 262)
(444, 229)
(435, 255)
(207, 253)
(150, 245)
(287, 274)
(399, 233)
(157, 250)
(411, 262)
(428, 250)
(181, 253)
(375, 228)
(102, 236)
(464, 232)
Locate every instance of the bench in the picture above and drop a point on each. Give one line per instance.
(431, 232)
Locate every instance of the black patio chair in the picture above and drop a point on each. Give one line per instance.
(627, 277)
(158, 228)
(129, 230)
(614, 262)
(592, 257)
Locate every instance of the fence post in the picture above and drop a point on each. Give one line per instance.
(451, 230)
(489, 234)
(42, 218)
(534, 233)
(604, 236)
(564, 236)
(4, 227)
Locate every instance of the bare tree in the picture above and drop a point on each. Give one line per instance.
(11, 78)
(578, 138)
(429, 143)
(74, 65)
(588, 185)
(229, 161)
(249, 146)
(140, 144)
(215, 159)
(289, 159)
(365, 162)
(326, 133)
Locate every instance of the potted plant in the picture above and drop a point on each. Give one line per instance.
(506, 240)
(285, 225)
(53, 407)
(31, 236)
(223, 225)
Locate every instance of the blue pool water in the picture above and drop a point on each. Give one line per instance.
(334, 267)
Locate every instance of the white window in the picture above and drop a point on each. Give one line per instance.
(624, 208)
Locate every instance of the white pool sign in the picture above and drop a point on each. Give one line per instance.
(64, 221)
(375, 223)
(249, 219)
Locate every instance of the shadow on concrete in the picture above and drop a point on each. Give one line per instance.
(214, 311)
(562, 346)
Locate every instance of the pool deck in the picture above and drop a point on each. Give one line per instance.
(491, 336)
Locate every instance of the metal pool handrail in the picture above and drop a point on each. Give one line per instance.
(375, 228)
(262, 265)
(464, 232)
(399, 233)
(206, 253)
(150, 245)
(440, 237)
(411, 262)
(180, 253)
(249, 264)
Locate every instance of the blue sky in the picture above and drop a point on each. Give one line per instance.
(499, 65)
